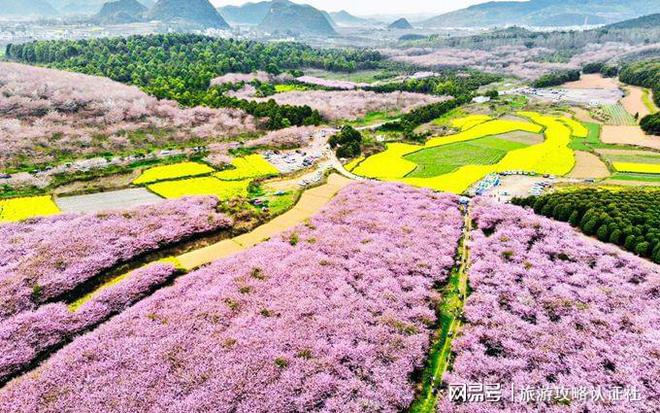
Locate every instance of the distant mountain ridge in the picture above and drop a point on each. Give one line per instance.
(344, 18)
(199, 12)
(644, 22)
(25, 8)
(287, 17)
(544, 13)
(248, 13)
(297, 17)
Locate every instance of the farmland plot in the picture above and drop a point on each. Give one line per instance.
(222, 190)
(174, 171)
(251, 166)
(618, 116)
(447, 158)
(553, 156)
(18, 209)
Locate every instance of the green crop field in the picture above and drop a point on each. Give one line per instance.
(361, 76)
(648, 101)
(618, 115)
(374, 118)
(444, 159)
(592, 141)
(622, 176)
(636, 158)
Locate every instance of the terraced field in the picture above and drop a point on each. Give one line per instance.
(638, 167)
(618, 116)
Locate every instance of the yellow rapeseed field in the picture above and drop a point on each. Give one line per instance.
(174, 171)
(578, 129)
(389, 164)
(644, 168)
(493, 127)
(18, 209)
(354, 163)
(470, 121)
(552, 157)
(201, 186)
(251, 166)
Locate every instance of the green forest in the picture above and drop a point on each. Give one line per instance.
(645, 73)
(450, 83)
(181, 66)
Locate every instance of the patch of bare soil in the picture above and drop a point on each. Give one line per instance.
(592, 81)
(583, 115)
(106, 183)
(607, 152)
(629, 183)
(629, 135)
(588, 165)
(526, 138)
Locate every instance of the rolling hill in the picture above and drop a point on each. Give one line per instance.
(344, 18)
(401, 24)
(26, 8)
(248, 13)
(287, 17)
(121, 11)
(198, 12)
(78, 7)
(644, 22)
(544, 13)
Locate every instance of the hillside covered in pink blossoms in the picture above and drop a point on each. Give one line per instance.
(334, 315)
(47, 112)
(45, 258)
(553, 309)
(334, 105)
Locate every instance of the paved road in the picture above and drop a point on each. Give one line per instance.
(104, 201)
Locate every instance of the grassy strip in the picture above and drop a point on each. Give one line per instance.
(648, 101)
(373, 118)
(449, 316)
(623, 176)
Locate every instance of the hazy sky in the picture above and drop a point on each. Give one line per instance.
(366, 7)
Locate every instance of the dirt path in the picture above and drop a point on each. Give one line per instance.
(311, 202)
(588, 165)
(450, 312)
(633, 102)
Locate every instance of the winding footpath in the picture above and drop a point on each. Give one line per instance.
(310, 203)
(450, 312)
